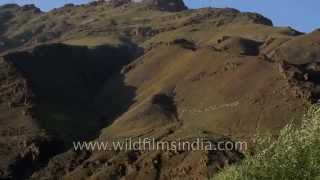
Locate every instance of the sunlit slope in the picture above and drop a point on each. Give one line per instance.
(212, 91)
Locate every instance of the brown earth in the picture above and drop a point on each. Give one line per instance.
(102, 72)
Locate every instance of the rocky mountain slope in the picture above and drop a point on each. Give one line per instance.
(150, 69)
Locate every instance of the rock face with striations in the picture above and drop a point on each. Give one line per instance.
(167, 5)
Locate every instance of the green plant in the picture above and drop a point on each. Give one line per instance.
(294, 155)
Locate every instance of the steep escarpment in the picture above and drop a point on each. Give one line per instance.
(49, 96)
(108, 71)
(66, 81)
(25, 146)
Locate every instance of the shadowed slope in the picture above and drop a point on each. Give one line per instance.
(65, 81)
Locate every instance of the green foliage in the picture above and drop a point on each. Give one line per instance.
(294, 155)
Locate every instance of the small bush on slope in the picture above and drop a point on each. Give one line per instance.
(294, 155)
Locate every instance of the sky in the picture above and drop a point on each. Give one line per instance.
(303, 15)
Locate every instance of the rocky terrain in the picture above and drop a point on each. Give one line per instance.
(154, 69)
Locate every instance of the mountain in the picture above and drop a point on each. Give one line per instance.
(152, 69)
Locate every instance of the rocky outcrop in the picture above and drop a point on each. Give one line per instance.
(30, 7)
(237, 45)
(117, 3)
(167, 5)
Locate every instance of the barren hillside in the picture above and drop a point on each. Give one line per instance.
(116, 69)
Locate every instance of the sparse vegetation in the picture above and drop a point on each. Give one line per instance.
(294, 155)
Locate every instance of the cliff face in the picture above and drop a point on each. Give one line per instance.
(103, 72)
